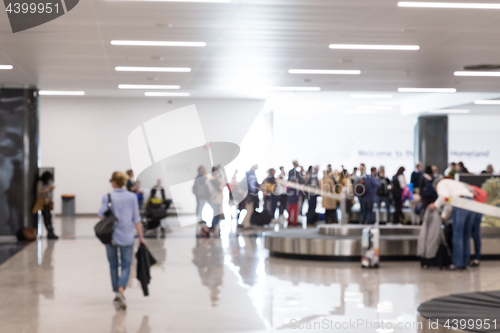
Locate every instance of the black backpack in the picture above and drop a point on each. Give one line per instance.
(104, 229)
(383, 190)
(428, 191)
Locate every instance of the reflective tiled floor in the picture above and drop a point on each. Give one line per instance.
(212, 285)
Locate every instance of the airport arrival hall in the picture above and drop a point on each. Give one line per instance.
(249, 166)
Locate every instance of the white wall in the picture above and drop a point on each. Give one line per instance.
(85, 139)
(474, 140)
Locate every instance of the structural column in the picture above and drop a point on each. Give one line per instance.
(18, 159)
(431, 141)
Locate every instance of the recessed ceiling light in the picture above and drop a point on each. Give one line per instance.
(167, 94)
(147, 86)
(153, 69)
(449, 5)
(370, 96)
(471, 73)
(324, 71)
(375, 107)
(61, 93)
(450, 111)
(427, 90)
(487, 102)
(374, 47)
(294, 88)
(359, 111)
(156, 43)
(6, 67)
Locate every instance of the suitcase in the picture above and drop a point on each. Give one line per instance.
(260, 219)
(370, 239)
(441, 260)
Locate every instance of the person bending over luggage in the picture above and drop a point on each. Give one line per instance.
(462, 219)
(125, 207)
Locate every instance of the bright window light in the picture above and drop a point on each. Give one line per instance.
(449, 5)
(156, 43)
(147, 86)
(294, 88)
(6, 67)
(427, 90)
(61, 93)
(375, 47)
(450, 111)
(324, 71)
(487, 102)
(167, 94)
(153, 69)
(470, 73)
(370, 96)
(359, 111)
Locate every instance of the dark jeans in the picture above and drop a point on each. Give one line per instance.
(282, 204)
(476, 235)
(47, 218)
(272, 204)
(119, 279)
(463, 221)
(398, 205)
(311, 213)
(366, 210)
(387, 202)
(330, 215)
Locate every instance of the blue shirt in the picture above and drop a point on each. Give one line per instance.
(125, 206)
(371, 186)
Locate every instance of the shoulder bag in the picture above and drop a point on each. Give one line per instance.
(104, 229)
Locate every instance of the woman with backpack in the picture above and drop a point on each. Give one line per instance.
(398, 185)
(427, 191)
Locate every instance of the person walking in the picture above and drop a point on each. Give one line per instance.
(125, 207)
(398, 185)
(44, 188)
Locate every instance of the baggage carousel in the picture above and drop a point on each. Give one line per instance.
(343, 242)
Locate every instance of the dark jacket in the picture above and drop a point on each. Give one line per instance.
(371, 185)
(144, 261)
(415, 179)
(153, 193)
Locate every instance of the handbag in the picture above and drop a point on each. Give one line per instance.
(104, 229)
(38, 206)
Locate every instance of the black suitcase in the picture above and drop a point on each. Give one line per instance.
(260, 219)
(441, 260)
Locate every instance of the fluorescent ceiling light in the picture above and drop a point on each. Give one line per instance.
(153, 69)
(375, 47)
(324, 71)
(147, 86)
(427, 90)
(450, 111)
(375, 107)
(156, 43)
(487, 102)
(167, 94)
(6, 67)
(370, 96)
(294, 88)
(61, 93)
(359, 111)
(388, 103)
(449, 5)
(470, 73)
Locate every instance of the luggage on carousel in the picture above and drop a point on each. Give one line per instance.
(370, 239)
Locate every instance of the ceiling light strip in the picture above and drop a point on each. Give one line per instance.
(456, 5)
(487, 102)
(156, 43)
(427, 90)
(370, 96)
(450, 111)
(6, 67)
(324, 71)
(294, 88)
(477, 73)
(167, 94)
(375, 47)
(61, 93)
(153, 69)
(147, 86)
